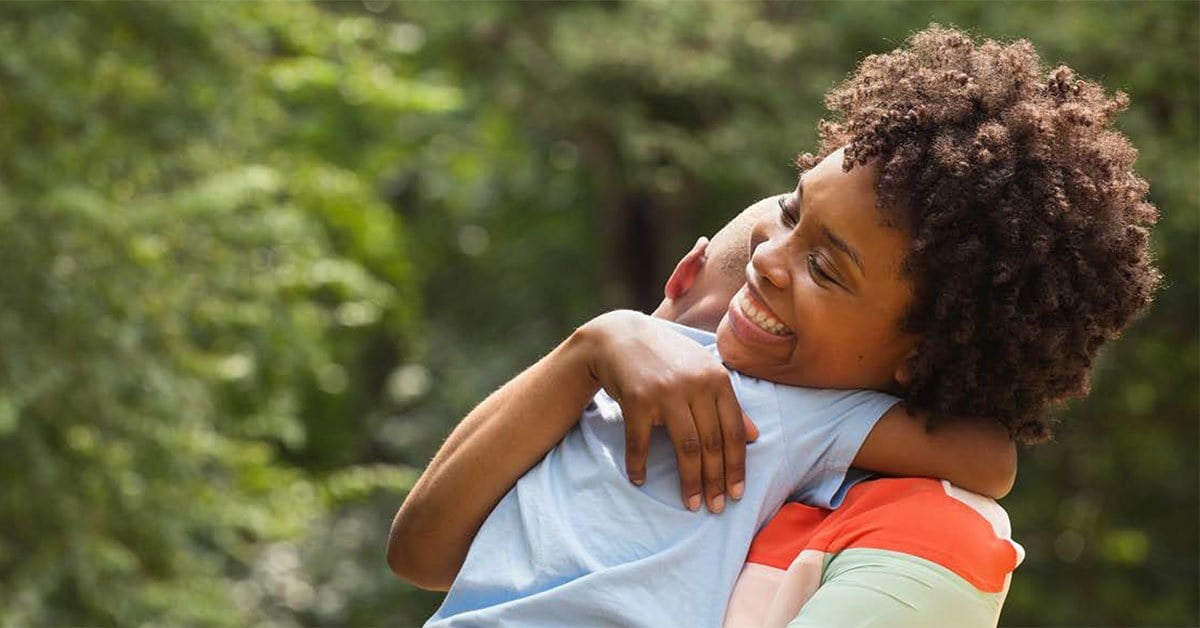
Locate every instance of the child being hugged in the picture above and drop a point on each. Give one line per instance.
(968, 236)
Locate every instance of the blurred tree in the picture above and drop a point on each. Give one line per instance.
(204, 292)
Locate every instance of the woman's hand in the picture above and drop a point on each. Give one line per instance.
(660, 377)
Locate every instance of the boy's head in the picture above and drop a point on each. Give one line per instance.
(698, 291)
(1018, 227)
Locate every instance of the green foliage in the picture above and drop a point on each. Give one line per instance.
(259, 259)
(198, 280)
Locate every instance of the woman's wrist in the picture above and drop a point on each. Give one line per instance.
(583, 346)
(592, 340)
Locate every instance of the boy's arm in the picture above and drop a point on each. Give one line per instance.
(977, 455)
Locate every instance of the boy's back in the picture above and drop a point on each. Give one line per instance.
(575, 543)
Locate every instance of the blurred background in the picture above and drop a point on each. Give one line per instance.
(256, 260)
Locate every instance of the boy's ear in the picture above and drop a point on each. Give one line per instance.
(687, 270)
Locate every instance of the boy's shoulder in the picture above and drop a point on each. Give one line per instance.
(701, 336)
(788, 396)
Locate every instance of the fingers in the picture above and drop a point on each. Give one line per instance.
(681, 428)
(712, 451)
(709, 435)
(733, 428)
(637, 444)
(750, 427)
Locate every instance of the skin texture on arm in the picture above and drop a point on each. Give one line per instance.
(976, 455)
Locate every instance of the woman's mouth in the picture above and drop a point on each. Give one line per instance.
(757, 314)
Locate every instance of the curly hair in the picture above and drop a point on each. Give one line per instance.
(1029, 226)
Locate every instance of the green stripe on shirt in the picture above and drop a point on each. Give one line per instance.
(872, 588)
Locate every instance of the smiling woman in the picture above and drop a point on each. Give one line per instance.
(825, 295)
(843, 300)
(1028, 225)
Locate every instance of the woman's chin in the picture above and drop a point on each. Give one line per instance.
(733, 352)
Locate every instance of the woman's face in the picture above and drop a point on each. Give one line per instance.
(824, 293)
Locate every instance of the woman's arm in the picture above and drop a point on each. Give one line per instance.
(481, 460)
(658, 376)
(976, 454)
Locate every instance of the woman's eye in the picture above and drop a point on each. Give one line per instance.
(784, 214)
(814, 267)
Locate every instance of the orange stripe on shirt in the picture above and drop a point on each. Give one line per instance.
(914, 516)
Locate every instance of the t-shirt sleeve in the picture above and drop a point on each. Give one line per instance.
(825, 430)
(853, 476)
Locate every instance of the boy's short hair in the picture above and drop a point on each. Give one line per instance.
(1029, 225)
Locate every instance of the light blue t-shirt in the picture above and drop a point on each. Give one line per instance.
(574, 543)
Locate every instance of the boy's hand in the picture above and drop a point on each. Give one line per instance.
(660, 377)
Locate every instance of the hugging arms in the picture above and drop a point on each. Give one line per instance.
(515, 426)
(968, 236)
(660, 379)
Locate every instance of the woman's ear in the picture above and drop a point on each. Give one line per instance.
(686, 271)
(903, 373)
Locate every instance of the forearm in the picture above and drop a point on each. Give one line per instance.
(975, 454)
(984, 457)
(485, 455)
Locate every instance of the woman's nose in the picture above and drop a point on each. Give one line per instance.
(769, 257)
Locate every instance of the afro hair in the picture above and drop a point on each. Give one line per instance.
(1029, 226)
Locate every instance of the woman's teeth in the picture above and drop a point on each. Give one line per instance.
(765, 321)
